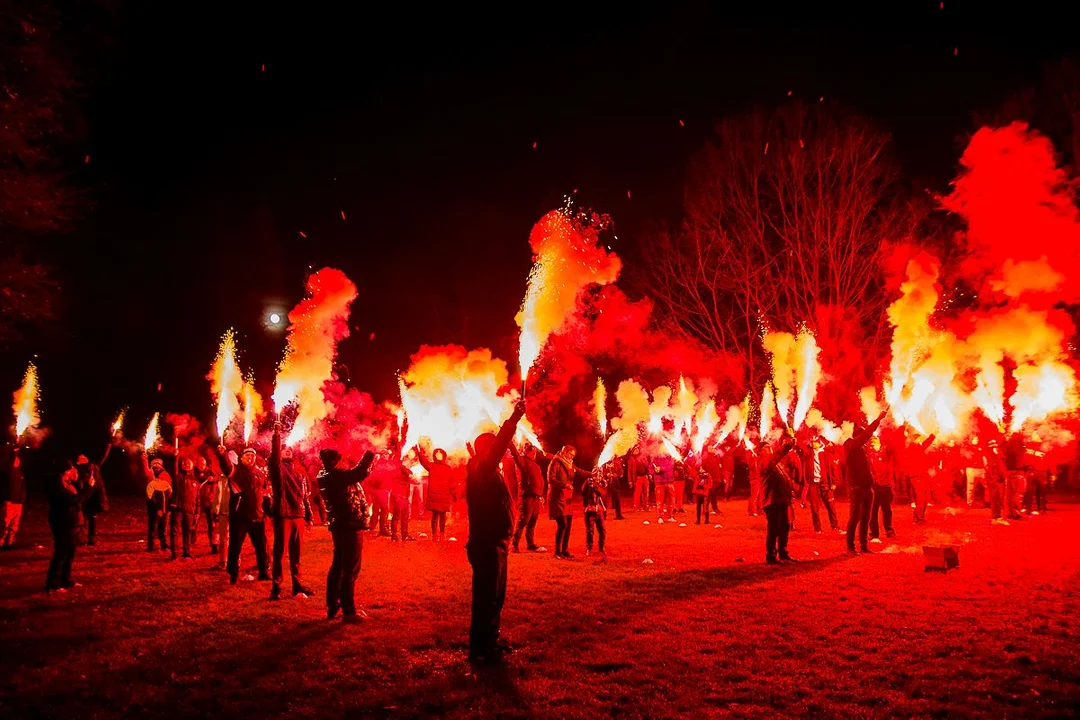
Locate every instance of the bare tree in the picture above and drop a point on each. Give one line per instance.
(785, 215)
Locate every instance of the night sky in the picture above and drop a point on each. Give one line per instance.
(205, 167)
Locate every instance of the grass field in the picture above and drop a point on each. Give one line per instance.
(706, 629)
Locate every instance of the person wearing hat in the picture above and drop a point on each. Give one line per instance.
(491, 522)
(158, 494)
(246, 511)
(183, 505)
(439, 496)
(98, 501)
(290, 513)
(349, 513)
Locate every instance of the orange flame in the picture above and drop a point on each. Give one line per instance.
(253, 407)
(807, 374)
(781, 349)
(633, 410)
(26, 402)
(316, 326)
(450, 396)
(768, 412)
(600, 407)
(566, 262)
(704, 425)
(153, 433)
(226, 383)
(118, 425)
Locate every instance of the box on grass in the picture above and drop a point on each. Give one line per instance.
(941, 559)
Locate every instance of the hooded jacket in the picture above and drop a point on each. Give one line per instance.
(185, 494)
(342, 493)
(440, 483)
(246, 480)
(290, 487)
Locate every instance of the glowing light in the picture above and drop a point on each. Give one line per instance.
(275, 318)
(118, 424)
(26, 402)
(767, 411)
(567, 260)
(671, 449)
(253, 407)
(600, 407)
(316, 326)
(807, 374)
(704, 425)
(153, 433)
(226, 383)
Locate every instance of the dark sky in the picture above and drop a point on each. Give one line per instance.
(420, 126)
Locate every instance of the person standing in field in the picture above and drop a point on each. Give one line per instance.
(637, 473)
(67, 523)
(860, 476)
(290, 514)
(533, 489)
(158, 493)
(349, 513)
(560, 477)
(439, 494)
(777, 492)
(491, 522)
(12, 496)
(592, 502)
(247, 512)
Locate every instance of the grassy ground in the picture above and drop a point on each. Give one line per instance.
(705, 628)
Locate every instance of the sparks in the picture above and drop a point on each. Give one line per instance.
(600, 407)
(226, 383)
(153, 434)
(26, 402)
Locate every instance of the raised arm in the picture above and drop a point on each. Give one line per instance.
(422, 457)
(227, 466)
(274, 466)
(105, 455)
(359, 473)
(860, 438)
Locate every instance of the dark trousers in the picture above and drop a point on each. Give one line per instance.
(562, 534)
(180, 522)
(318, 505)
(997, 498)
(862, 501)
(239, 528)
(344, 569)
(155, 525)
(401, 517)
(883, 497)
(702, 503)
(776, 534)
(527, 517)
(63, 555)
(91, 527)
(438, 522)
(821, 497)
(1041, 484)
(288, 531)
(594, 519)
(211, 529)
(488, 596)
(616, 501)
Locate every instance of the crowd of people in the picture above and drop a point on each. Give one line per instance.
(233, 498)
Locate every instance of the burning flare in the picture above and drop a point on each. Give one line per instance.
(600, 407)
(450, 395)
(118, 425)
(316, 326)
(633, 410)
(153, 433)
(568, 259)
(226, 383)
(26, 402)
(807, 374)
(253, 407)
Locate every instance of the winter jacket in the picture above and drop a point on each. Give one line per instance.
(491, 513)
(158, 487)
(249, 489)
(636, 469)
(65, 505)
(561, 486)
(185, 494)
(700, 480)
(440, 484)
(592, 496)
(776, 486)
(860, 474)
(97, 501)
(290, 487)
(884, 474)
(343, 494)
(665, 470)
(532, 478)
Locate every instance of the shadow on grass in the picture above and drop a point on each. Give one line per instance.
(686, 584)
